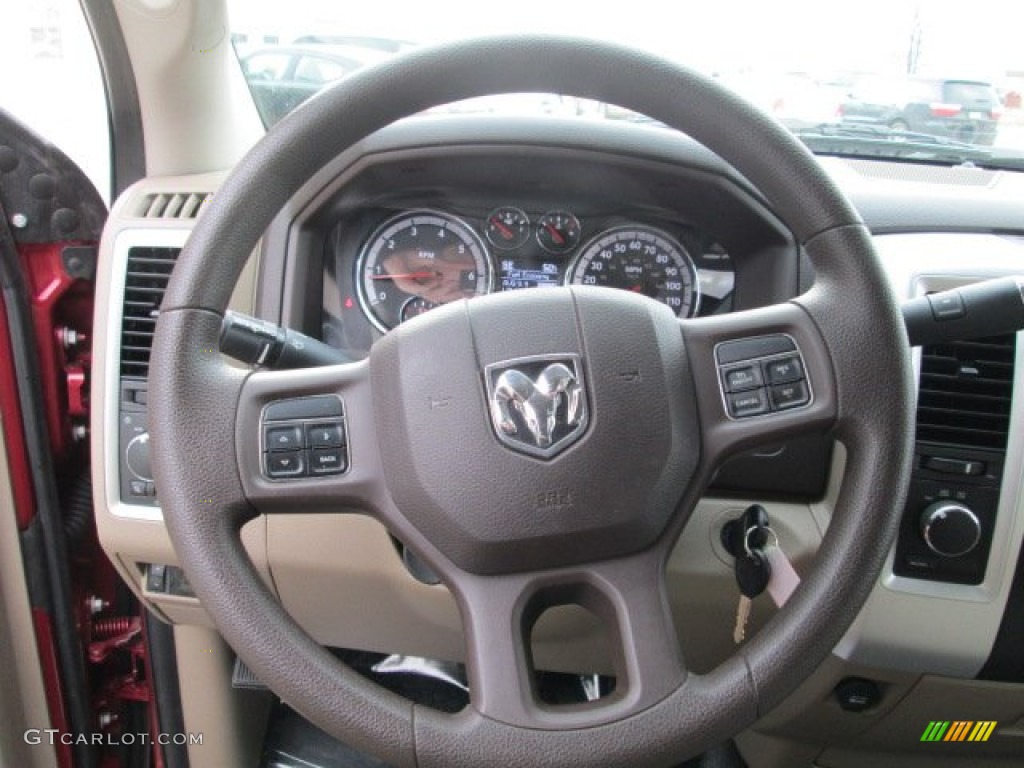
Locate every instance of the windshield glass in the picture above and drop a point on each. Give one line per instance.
(902, 78)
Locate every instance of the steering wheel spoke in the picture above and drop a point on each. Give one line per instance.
(627, 597)
(306, 441)
(761, 376)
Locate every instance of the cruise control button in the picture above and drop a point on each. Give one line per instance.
(327, 461)
(747, 377)
(748, 403)
(283, 438)
(330, 435)
(789, 395)
(285, 464)
(784, 371)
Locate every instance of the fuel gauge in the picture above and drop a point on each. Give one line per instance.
(507, 228)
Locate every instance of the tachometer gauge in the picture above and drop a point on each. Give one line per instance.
(644, 260)
(424, 255)
(507, 228)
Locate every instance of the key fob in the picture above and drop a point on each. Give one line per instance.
(752, 573)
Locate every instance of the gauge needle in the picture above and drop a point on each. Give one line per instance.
(507, 233)
(555, 234)
(406, 276)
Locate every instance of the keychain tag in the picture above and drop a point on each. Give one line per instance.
(784, 579)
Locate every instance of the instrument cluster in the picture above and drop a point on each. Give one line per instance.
(415, 260)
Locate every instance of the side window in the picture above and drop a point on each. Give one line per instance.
(313, 69)
(266, 66)
(52, 82)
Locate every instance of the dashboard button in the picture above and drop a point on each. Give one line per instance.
(283, 438)
(784, 371)
(746, 377)
(327, 461)
(329, 435)
(748, 403)
(285, 464)
(953, 466)
(789, 395)
(156, 577)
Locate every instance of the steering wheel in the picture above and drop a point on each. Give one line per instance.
(590, 514)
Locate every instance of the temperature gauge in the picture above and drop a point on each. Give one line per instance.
(558, 232)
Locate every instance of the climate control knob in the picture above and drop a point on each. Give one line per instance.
(950, 529)
(136, 456)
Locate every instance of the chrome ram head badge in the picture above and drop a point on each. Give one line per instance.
(538, 404)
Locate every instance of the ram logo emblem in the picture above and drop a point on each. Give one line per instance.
(538, 405)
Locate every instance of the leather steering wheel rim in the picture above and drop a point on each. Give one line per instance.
(863, 374)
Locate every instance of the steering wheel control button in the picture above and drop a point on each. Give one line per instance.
(751, 403)
(327, 461)
(785, 396)
(285, 464)
(287, 438)
(748, 349)
(784, 370)
(325, 435)
(317, 407)
(304, 437)
(762, 375)
(742, 378)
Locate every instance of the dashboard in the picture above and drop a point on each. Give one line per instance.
(433, 211)
(411, 230)
(415, 260)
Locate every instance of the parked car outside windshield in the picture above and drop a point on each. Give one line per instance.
(963, 110)
(893, 73)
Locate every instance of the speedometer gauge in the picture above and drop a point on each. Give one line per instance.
(643, 260)
(429, 257)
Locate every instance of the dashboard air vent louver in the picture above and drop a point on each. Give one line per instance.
(173, 205)
(965, 392)
(145, 281)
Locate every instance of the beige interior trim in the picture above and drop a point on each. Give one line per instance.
(232, 722)
(929, 627)
(22, 692)
(197, 112)
(132, 534)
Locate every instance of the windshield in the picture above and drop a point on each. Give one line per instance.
(909, 79)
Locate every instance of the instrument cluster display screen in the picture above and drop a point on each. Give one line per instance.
(527, 273)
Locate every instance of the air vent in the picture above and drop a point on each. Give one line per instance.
(965, 393)
(146, 278)
(173, 205)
